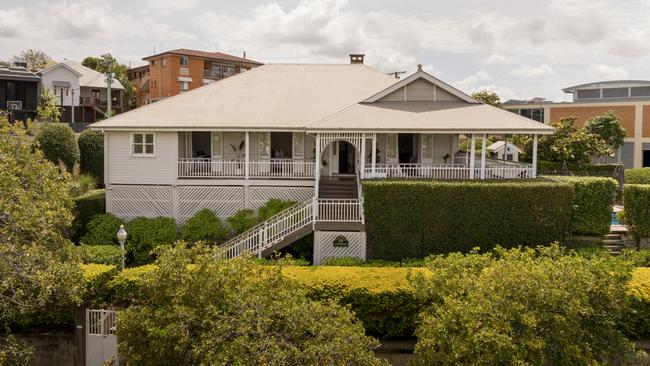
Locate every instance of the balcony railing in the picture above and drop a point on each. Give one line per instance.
(264, 169)
(211, 74)
(449, 171)
(96, 102)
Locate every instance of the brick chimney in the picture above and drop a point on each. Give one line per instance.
(356, 58)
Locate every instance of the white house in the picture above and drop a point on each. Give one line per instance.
(82, 90)
(305, 132)
(512, 151)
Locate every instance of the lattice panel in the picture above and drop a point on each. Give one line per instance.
(130, 201)
(324, 240)
(224, 201)
(259, 195)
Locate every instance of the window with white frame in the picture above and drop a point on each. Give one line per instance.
(184, 61)
(142, 144)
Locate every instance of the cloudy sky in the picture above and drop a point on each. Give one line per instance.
(518, 48)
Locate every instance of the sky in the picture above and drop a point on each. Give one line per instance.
(516, 48)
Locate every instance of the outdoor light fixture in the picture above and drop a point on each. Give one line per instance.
(121, 237)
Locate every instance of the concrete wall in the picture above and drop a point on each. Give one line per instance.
(51, 348)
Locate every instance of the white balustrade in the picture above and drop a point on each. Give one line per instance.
(340, 210)
(210, 168)
(282, 169)
(268, 169)
(449, 171)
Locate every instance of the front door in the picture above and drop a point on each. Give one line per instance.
(346, 158)
(405, 145)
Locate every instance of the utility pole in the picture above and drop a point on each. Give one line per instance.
(109, 81)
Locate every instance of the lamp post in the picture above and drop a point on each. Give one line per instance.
(121, 237)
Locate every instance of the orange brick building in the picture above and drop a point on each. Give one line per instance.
(628, 99)
(176, 71)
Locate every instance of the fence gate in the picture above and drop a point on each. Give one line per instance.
(101, 341)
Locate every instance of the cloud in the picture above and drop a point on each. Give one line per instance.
(605, 72)
(167, 7)
(533, 71)
(470, 82)
(499, 59)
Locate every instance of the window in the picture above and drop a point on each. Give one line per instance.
(265, 145)
(142, 144)
(228, 70)
(391, 146)
(640, 91)
(298, 145)
(615, 93)
(184, 61)
(216, 144)
(588, 94)
(536, 114)
(427, 146)
(164, 61)
(185, 85)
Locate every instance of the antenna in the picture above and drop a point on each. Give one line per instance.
(396, 73)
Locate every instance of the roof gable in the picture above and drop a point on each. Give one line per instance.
(61, 64)
(420, 87)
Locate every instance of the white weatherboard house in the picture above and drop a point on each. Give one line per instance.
(304, 132)
(511, 150)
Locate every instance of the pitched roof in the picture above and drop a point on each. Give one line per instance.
(500, 144)
(87, 76)
(204, 54)
(17, 73)
(609, 83)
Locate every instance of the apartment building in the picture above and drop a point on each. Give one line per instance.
(176, 71)
(628, 99)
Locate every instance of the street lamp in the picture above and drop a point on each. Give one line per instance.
(121, 237)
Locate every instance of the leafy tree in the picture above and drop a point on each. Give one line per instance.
(14, 352)
(488, 97)
(608, 127)
(91, 149)
(121, 73)
(58, 143)
(523, 307)
(196, 309)
(36, 59)
(48, 108)
(37, 267)
(569, 144)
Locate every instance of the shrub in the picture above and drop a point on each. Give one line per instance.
(555, 168)
(637, 176)
(15, 352)
(58, 143)
(636, 200)
(85, 208)
(636, 323)
(356, 262)
(126, 287)
(592, 204)
(145, 234)
(522, 307)
(91, 148)
(102, 230)
(381, 298)
(198, 310)
(273, 207)
(412, 219)
(204, 226)
(81, 185)
(96, 279)
(242, 220)
(100, 254)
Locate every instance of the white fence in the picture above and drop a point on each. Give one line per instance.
(340, 210)
(448, 171)
(101, 341)
(265, 169)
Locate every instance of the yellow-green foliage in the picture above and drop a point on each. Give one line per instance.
(96, 278)
(640, 283)
(125, 286)
(636, 323)
(382, 298)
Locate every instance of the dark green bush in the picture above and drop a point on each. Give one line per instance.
(91, 148)
(592, 204)
(636, 216)
(58, 143)
(242, 220)
(85, 208)
(102, 230)
(273, 207)
(204, 226)
(637, 176)
(145, 234)
(100, 254)
(412, 219)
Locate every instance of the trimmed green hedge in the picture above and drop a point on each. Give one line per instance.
(91, 148)
(412, 219)
(592, 204)
(554, 167)
(58, 143)
(637, 176)
(85, 208)
(102, 230)
(145, 234)
(100, 254)
(636, 215)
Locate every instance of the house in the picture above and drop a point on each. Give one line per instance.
(82, 93)
(19, 93)
(628, 99)
(497, 151)
(304, 132)
(177, 71)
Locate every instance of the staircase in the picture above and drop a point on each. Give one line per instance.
(615, 243)
(343, 187)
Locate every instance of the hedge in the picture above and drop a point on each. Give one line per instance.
(102, 230)
(96, 279)
(554, 167)
(91, 149)
(637, 176)
(592, 204)
(125, 286)
(204, 226)
(100, 254)
(636, 214)
(85, 207)
(58, 143)
(412, 219)
(636, 324)
(145, 234)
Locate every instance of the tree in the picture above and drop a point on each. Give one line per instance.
(487, 97)
(120, 71)
(195, 309)
(58, 143)
(36, 59)
(91, 150)
(608, 127)
(523, 307)
(48, 107)
(37, 265)
(569, 144)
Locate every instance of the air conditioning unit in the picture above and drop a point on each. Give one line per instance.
(14, 105)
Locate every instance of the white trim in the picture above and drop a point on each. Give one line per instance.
(185, 78)
(144, 144)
